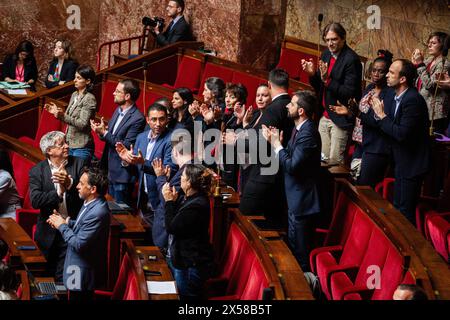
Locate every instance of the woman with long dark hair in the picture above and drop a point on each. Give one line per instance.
(180, 117)
(187, 219)
(78, 114)
(21, 65)
(63, 66)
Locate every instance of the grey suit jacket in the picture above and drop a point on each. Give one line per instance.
(85, 266)
(78, 116)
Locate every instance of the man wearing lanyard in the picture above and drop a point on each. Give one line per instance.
(178, 29)
(85, 264)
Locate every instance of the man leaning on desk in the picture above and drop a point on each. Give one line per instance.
(86, 237)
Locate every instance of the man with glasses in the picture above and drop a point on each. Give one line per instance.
(338, 78)
(178, 29)
(53, 187)
(126, 123)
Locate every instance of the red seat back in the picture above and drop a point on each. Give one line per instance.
(212, 70)
(21, 167)
(126, 284)
(437, 228)
(47, 123)
(256, 282)
(189, 73)
(235, 241)
(99, 145)
(391, 275)
(290, 61)
(107, 105)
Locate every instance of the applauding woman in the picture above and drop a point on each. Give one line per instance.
(187, 221)
(21, 66)
(78, 114)
(63, 66)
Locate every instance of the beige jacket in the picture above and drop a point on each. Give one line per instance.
(428, 88)
(78, 114)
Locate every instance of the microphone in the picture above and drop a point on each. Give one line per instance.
(320, 19)
(446, 46)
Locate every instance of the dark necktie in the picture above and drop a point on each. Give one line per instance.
(293, 135)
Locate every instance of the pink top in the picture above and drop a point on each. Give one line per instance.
(20, 73)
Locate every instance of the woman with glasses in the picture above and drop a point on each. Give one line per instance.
(371, 145)
(21, 65)
(429, 73)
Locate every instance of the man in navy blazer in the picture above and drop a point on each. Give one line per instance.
(402, 115)
(178, 29)
(150, 145)
(300, 162)
(85, 265)
(126, 123)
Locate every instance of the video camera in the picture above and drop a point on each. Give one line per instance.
(147, 21)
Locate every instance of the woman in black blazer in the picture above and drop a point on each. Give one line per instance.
(187, 219)
(63, 66)
(21, 65)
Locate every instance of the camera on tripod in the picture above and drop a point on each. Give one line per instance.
(147, 21)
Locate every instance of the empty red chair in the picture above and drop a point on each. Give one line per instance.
(189, 74)
(251, 83)
(256, 283)
(327, 260)
(107, 105)
(437, 227)
(47, 123)
(290, 60)
(213, 70)
(99, 145)
(126, 287)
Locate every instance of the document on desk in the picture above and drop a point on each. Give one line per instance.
(17, 91)
(161, 287)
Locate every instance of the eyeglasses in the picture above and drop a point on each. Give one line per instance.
(60, 145)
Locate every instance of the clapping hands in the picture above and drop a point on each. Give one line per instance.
(159, 169)
(99, 128)
(128, 155)
(169, 193)
(273, 136)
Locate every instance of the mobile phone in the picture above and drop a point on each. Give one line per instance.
(152, 273)
(26, 247)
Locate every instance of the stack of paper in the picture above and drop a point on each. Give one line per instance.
(161, 287)
(13, 85)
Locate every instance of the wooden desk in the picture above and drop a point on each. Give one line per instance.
(133, 226)
(159, 265)
(16, 97)
(15, 236)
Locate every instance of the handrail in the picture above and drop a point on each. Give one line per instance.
(25, 150)
(109, 45)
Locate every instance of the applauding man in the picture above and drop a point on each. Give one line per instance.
(301, 164)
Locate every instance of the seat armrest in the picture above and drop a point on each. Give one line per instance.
(351, 270)
(363, 291)
(315, 252)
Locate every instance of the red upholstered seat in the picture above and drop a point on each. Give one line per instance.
(212, 70)
(189, 74)
(327, 260)
(251, 83)
(291, 62)
(126, 287)
(99, 145)
(150, 97)
(47, 123)
(256, 283)
(437, 227)
(107, 105)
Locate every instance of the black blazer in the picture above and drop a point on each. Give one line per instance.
(9, 68)
(180, 32)
(345, 83)
(67, 72)
(373, 139)
(187, 220)
(408, 132)
(275, 115)
(43, 196)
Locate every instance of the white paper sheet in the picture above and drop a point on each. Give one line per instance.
(17, 91)
(161, 287)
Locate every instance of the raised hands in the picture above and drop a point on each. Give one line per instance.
(378, 107)
(239, 111)
(417, 57)
(247, 117)
(308, 66)
(273, 136)
(128, 155)
(56, 220)
(340, 109)
(194, 108)
(54, 109)
(159, 168)
(323, 68)
(99, 128)
(169, 193)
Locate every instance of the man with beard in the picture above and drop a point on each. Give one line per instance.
(300, 161)
(126, 123)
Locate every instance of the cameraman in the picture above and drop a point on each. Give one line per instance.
(178, 29)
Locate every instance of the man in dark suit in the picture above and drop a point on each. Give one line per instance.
(53, 187)
(301, 165)
(150, 145)
(338, 78)
(85, 266)
(263, 193)
(126, 123)
(403, 116)
(178, 29)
